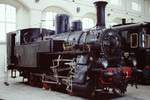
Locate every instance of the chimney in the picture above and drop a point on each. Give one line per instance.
(100, 7)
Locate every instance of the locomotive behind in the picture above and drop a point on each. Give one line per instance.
(136, 47)
(82, 62)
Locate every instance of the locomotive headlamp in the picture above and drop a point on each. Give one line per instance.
(91, 58)
(105, 63)
(134, 62)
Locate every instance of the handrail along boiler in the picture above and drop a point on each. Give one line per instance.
(81, 61)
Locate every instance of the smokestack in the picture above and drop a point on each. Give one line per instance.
(100, 7)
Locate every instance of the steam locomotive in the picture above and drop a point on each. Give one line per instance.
(136, 46)
(81, 62)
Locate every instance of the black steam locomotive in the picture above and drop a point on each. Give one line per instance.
(136, 47)
(81, 62)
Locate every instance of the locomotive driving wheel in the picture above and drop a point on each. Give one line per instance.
(118, 92)
(121, 89)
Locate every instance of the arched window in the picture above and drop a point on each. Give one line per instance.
(88, 23)
(7, 20)
(136, 5)
(49, 16)
(50, 20)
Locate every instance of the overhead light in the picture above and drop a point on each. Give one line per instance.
(78, 9)
(108, 14)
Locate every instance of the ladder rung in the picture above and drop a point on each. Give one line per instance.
(50, 82)
(63, 69)
(56, 60)
(62, 77)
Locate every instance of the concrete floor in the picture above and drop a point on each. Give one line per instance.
(19, 91)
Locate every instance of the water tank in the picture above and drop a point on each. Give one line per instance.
(77, 25)
(62, 23)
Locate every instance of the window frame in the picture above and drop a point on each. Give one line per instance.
(53, 9)
(51, 21)
(7, 22)
(138, 8)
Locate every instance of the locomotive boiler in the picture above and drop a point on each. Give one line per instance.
(82, 62)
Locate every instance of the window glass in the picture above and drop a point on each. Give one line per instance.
(7, 20)
(50, 20)
(49, 17)
(136, 6)
(134, 40)
(2, 12)
(2, 32)
(10, 14)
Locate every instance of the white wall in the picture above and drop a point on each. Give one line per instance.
(37, 8)
(2, 59)
(35, 18)
(23, 18)
(86, 7)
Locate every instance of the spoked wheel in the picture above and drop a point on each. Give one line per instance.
(93, 94)
(46, 86)
(59, 88)
(88, 95)
(118, 92)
